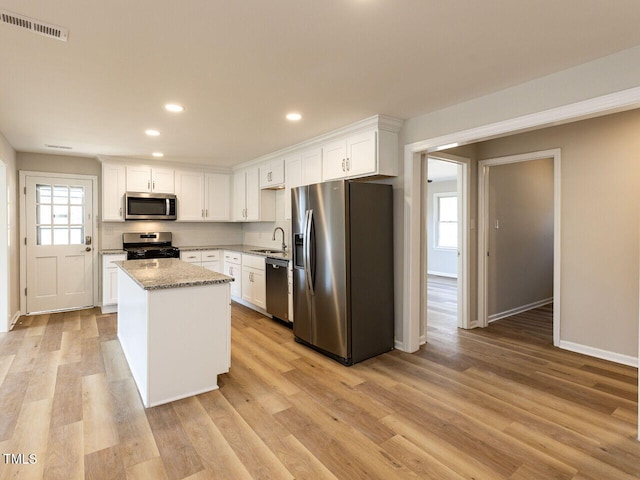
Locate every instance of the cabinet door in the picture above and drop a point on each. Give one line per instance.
(265, 174)
(190, 196)
(293, 175)
(361, 154)
(138, 179)
(259, 288)
(113, 190)
(334, 156)
(239, 196)
(218, 197)
(253, 196)
(311, 167)
(277, 172)
(235, 271)
(162, 180)
(247, 284)
(110, 286)
(213, 266)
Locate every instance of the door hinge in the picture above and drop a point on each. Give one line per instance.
(25, 190)
(25, 240)
(25, 292)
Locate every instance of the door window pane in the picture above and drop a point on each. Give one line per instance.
(59, 215)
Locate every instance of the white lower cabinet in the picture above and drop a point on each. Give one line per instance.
(233, 268)
(254, 285)
(110, 282)
(210, 259)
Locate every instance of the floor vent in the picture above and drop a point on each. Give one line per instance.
(36, 26)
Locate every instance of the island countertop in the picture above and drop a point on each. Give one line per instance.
(154, 274)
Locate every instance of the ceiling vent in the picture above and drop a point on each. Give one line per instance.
(36, 26)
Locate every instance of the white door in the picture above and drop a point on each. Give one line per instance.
(58, 215)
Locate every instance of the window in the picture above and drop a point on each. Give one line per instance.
(446, 220)
(59, 215)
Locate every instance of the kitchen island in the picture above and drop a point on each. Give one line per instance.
(174, 325)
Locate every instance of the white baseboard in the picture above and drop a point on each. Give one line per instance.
(442, 274)
(516, 310)
(599, 353)
(14, 320)
(113, 308)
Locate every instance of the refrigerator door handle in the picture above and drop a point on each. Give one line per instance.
(307, 251)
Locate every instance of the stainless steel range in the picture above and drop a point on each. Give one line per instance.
(149, 245)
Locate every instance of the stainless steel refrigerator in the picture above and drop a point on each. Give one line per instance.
(343, 268)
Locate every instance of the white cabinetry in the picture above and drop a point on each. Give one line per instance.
(250, 203)
(203, 197)
(302, 169)
(110, 282)
(354, 156)
(254, 286)
(272, 174)
(209, 259)
(113, 190)
(233, 268)
(147, 179)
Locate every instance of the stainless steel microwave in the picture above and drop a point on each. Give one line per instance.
(150, 206)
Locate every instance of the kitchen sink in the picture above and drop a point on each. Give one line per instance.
(267, 251)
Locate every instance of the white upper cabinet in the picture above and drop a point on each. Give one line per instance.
(113, 190)
(217, 189)
(203, 197)
(355, 156)
(147, 179)
(250, 203)
(301, 169)
(272, 174)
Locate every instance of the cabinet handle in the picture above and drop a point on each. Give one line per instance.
(348, 165)
(231, 271)
(343, 165)
(202, 213)
(154, 185)
(206, 212)
(121, 211)
(149, 185)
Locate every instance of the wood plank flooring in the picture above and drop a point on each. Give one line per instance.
(497, 403)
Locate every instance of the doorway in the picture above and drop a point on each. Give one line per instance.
(58, 226)
(519, 235)
(444, 185)
(445, 285)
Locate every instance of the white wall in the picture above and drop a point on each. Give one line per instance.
(439, 261)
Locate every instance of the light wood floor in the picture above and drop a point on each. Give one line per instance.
(484, 404)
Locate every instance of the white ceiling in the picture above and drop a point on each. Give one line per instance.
(239, 66)
(441, 171)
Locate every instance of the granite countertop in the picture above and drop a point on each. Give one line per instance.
(114, 251)
(155, 274)
(248, 249)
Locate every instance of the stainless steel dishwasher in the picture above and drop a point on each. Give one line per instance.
(277, 288)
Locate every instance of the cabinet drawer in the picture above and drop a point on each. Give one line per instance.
(210, 255)
(253, 261)
(232, 257)
(194, 256)
(107, 260)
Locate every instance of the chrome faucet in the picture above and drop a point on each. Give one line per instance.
(284, 246)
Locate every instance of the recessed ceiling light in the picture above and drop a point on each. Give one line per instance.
(293, 117)
(152, 133)
(158, 154)
(174, 107)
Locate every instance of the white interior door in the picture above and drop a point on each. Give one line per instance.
(59, 257)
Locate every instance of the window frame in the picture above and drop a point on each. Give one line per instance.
(436, 220)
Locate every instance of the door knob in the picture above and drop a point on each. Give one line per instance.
(88, 249)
